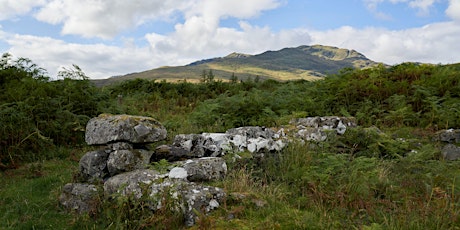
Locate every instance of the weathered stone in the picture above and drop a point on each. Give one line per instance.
(93, 166)
(120, 146)
(170, 153)
(192, 144)
(200, 199)
(328, 122)
(252, 132)
(205, 169)
(123, 128)
(312, 134)
(80, 198)
(186, 197)
(128, 160)
(450, 152)
(132, 183)
(317, 128)
(448, 135)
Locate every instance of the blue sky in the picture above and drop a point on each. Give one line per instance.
(115, 37)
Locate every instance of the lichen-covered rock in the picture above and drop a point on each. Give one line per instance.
(170, 153)
(128, 160)
(178, 194)
(318, 128)
(328, 122)
(252, 132)
(93, 166)
(132, 183)
(448, 135)
(106, 129)
(200, 199)
(205, 169)
(188, 197)
(450, 152)
(252, 138)
(80, 198)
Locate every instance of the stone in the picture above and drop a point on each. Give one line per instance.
(448, 135)
(328, 122)
(189, 198)
(316, 128)
(450, 152)
(93, 166)
(200, 199)
(178, 173)
(252, 132)
(170, 153)
(106, 129)
(80, 198)
(132, 183)
(205, 169)
(192, 144)
(127, 160)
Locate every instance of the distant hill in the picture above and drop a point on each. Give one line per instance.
(303, 62)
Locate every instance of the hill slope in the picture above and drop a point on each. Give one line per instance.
(303, 62)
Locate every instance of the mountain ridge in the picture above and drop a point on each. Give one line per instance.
(291, 63)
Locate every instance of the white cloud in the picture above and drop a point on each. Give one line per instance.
(453, 11)
(105, 19)
(12, 8)
(96, 60)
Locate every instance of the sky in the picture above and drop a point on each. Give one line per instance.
(115, 37)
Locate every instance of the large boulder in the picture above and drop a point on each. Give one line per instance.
(132, 183)
(186, 197)
(106, 129)
(80, 198)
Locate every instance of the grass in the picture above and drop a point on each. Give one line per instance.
(29, 195)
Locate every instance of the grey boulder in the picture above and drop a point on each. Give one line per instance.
(106, 129)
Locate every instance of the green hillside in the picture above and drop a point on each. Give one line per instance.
(303, 62)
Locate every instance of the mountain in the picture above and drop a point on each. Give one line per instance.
(303, 62)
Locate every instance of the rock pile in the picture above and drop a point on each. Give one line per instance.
(318, 128)
(122, 165)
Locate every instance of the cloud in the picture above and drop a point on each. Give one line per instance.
(105, 19)
(453, 11)
(96, 60)
(12, 8)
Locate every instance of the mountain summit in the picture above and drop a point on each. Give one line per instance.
(303, 62)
